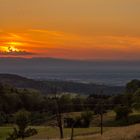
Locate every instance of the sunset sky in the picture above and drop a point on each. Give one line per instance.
(71, 29)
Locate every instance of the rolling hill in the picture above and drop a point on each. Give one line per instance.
(65, 86)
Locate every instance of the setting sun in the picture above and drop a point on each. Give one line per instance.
(9, 49)
(13, 48)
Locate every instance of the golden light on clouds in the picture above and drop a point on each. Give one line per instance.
(14, 44)
(13, 49)
(9, 49)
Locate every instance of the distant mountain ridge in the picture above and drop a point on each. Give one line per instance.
(101, 72)
(51, 59)
(45, 87)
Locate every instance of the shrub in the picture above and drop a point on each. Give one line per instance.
(122, 112)
(87, 118)
(22, 130)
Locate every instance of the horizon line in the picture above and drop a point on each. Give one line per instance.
(70, 59)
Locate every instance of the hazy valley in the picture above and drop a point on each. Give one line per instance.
(100, 72)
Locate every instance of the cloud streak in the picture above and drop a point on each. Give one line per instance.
(67, 45)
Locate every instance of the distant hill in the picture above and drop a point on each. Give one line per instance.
(46, 86)
(101, 72)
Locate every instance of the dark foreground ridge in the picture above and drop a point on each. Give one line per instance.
(45, 87)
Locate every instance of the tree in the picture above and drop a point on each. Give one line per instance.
(65, 102)
(30, 99)
(100, 109)
(59, 118)
(136, 100)
(2, 118)
(133, 86)
(122, 112)
(22, 131)
(78, 103)
(87, 118)
(56, 92)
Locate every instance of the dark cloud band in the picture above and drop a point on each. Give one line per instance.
(17, 53)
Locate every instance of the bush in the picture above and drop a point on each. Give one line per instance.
(87, 118)
(122, 112)
(22, 122)
(3, 118)
(38, 118)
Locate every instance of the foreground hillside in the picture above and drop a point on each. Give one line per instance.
(120, 133)
(114, 133)
(65, 86)
(53, 116)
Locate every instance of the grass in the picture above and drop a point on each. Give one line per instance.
(49, 132)
(118, 133)
(4, 131)
(53, 132)
(110, 121)
(111, 133)
(133, 118)
(115, 133)
(114, 130)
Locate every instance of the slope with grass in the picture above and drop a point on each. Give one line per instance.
(118, 133)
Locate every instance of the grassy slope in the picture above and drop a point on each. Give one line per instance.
(4, 132)
(52, 132)
(119, 133)
(115, 133)
(109, 122)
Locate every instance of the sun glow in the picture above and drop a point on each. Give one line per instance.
(14, 43)
(10, 47)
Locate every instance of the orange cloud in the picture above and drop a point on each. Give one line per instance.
(67, 45)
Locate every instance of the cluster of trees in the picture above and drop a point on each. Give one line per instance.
(81, 121)
(127, 102)
(13, 100)
(41, 106)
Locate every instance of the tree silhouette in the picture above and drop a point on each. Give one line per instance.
(22, 131)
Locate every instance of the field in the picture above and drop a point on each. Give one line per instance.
(4, 132)
(113, 130)
(119, 133)
(53, 132)
(112, 133)
(110, 121)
